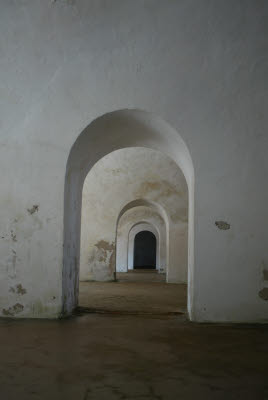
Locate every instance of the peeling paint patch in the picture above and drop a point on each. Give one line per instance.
(13, 236)
(107, 253)
(102, 260)
(102, 244)
(263, 294)
(34, 209)
(20, 289)
(223, 225)
(11, 311)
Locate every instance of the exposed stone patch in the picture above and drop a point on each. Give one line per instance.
(20, 289)
(7, 312)
(223, 225)
(102, 259)
(18, 308)
(34, 209)
(263, 294)
(11, 311)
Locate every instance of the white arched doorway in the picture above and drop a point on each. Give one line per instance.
(140, 227)
(113, 131)
(136, 213)
(144, 252)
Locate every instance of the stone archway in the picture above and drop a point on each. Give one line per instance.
(134, 215)
(112, 131)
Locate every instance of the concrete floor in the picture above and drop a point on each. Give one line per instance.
(140, 276)
(115, 356)
(133, 297)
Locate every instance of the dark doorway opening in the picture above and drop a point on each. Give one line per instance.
(144, 250)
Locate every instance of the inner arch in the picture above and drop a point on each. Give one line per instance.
(144, 250)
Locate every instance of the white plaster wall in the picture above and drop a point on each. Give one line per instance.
(140, 227)
(117, 179)
(200, 65)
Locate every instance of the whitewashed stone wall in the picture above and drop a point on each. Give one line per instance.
(201, 66)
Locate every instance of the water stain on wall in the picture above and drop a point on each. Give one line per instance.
(265, 274)
(161, 188)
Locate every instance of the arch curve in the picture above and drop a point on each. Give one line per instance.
(146, 203)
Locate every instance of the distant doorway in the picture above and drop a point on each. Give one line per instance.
(145, 250)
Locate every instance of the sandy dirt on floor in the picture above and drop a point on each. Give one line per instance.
(133, 297)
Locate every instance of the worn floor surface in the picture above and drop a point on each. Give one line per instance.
(137, 357)
(140, 276)
(134, 297)
(108, 357)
